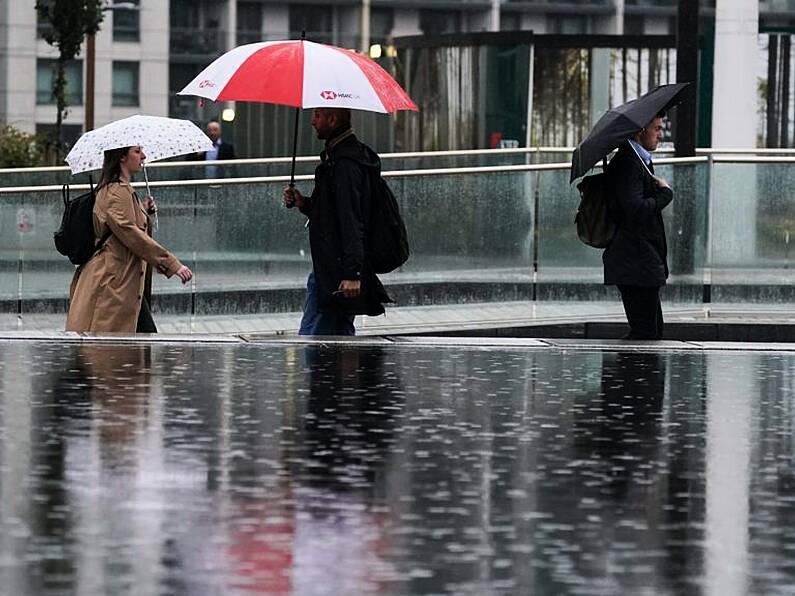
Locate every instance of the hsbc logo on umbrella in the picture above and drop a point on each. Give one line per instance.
(330, 95)
(206, 83)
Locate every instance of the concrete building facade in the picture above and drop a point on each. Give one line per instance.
(132, 51)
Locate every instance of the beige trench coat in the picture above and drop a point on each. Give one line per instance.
(106, 292)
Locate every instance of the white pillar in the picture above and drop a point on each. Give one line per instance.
(734, 96)
(494, 16)
(619, 17)
(364, 44)
(231, 25)
(734, 125)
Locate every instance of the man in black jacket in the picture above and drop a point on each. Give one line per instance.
(221, 149)
(342, 283)
(636, 259)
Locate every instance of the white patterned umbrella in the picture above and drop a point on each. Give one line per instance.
(158, 137)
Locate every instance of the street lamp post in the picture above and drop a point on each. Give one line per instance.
(91, 51)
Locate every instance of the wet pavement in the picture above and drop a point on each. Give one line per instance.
(394, 468)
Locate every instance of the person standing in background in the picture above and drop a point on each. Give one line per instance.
(221, 149)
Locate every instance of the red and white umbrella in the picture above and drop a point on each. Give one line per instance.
(302, 74)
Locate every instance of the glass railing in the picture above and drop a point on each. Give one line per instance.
(478, 235)
(752, 240)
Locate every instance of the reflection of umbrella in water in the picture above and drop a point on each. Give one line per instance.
(302, 74)
(620, 123)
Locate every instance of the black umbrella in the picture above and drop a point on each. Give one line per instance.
(621, 123)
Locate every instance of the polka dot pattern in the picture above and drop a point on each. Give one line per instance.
(159, 137)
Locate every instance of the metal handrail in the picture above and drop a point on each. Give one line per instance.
(311, 158)
(749, 158)
(308, 177)
(402, 155)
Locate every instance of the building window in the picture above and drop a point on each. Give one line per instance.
(45, 73)
(126, 21)
(510, 21)
(69, 133)
(125, 84)
(43, 28)
(382, 21)
(314, 19)
(569, 24)
(436, 22)
(249, 22)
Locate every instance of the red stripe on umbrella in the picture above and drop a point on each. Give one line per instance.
(275, 72)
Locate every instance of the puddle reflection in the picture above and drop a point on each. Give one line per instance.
(340, 470)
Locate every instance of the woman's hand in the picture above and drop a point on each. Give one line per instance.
(149, 205)
(184, 274)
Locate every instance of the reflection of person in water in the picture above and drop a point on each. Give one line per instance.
(99, 387)
(349, 425)
(119, 389)
(633, 386)
(349, 428)
(620, 481)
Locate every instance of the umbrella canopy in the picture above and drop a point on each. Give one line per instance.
(158, 137)
(302, 74)
(618, 124)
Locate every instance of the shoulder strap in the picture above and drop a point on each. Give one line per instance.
(645, 167)
(108, 233)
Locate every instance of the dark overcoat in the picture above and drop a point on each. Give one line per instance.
(637, 255)
(339, 212)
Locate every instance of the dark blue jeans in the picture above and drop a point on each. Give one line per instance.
(317, 323)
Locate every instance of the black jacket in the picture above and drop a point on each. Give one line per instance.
(637, 255)
(339, 212)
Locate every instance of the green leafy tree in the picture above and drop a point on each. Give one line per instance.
(19, 149)
(69, 22)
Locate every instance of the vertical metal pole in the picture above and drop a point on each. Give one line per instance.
(786, 48)
(295, 130)
(772, 87)
(683, 255)
(295, 143)
(530, 90)
(89, 99)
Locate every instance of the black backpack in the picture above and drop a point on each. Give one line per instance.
(595, 227)
(75, 238)
(387, 240)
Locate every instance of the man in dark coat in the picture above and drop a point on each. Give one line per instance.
(221, 149)
(636, 259)
(342, 283)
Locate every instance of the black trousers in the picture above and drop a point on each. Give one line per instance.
(644, 311)
(146, 324)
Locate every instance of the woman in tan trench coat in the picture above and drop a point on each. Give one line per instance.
(107, 293)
